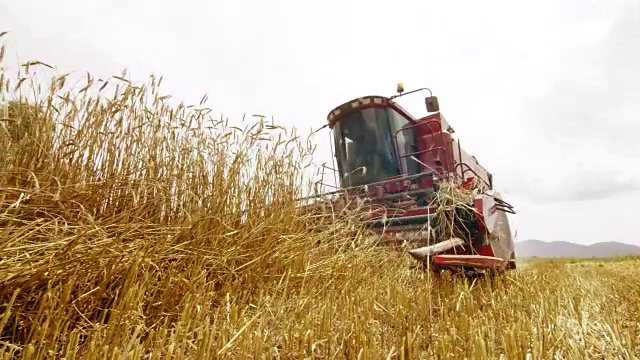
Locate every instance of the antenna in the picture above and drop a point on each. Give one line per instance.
(324, 126)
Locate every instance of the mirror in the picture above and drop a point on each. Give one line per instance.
(432, 103)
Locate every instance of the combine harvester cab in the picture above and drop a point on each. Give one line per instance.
(419, 186)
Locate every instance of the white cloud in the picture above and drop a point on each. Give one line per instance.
(544, 93)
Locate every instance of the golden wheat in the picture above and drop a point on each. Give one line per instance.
(134, 229)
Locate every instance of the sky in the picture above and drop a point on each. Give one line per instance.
(546, 94)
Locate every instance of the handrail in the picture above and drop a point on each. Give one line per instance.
(428, 124)
(434, 149)
(364, 187)
(500, 204)
(462, 172)
(321, 181)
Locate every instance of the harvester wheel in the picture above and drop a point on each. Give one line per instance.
(512, 261)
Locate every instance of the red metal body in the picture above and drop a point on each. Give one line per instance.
(427, 152)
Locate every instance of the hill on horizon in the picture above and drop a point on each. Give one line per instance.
(555, 249)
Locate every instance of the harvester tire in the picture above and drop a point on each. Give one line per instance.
(511, 265)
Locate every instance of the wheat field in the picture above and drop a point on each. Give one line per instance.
(134, 229)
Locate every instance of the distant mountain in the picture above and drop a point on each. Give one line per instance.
(543, 249)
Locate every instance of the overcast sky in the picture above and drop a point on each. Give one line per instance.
(546, 93)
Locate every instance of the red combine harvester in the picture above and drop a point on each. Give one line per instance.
(398, 165)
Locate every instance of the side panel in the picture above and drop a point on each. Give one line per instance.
(503, 245)
(486, 212)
